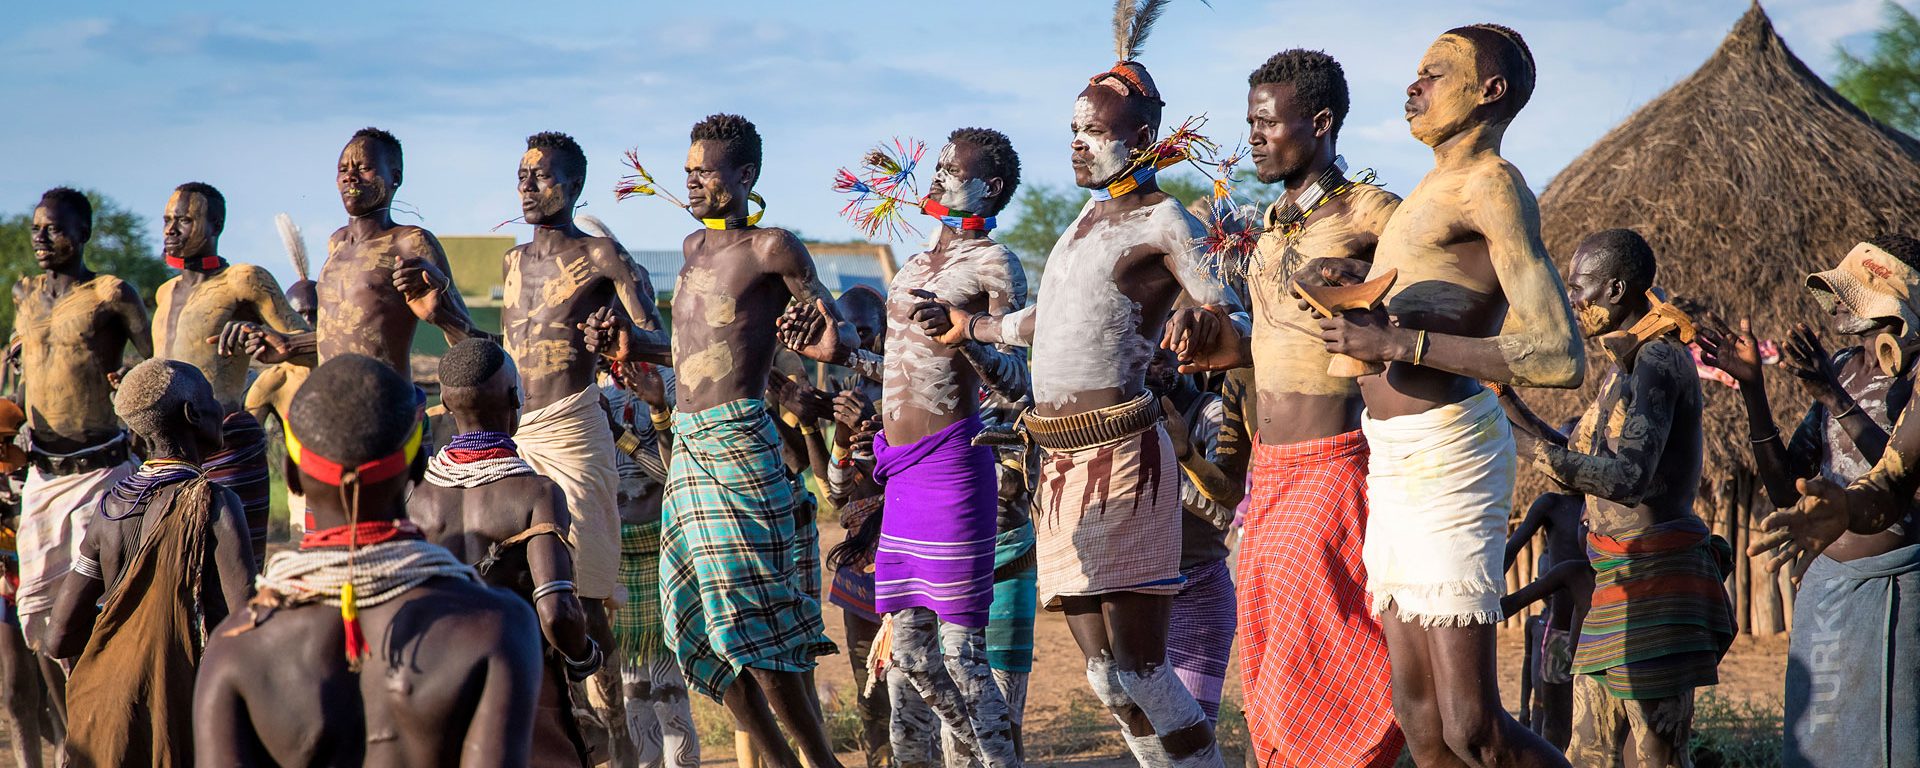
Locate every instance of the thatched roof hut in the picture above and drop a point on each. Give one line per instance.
(1744, 177)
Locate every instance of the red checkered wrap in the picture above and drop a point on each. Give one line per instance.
(1314, 668)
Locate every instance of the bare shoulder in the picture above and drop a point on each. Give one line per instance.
(532, 487)
(415, 241)
(239, 648)
(470, 609)
(111, 289)
(608, 255)
(1369, 203)
(254, 278)
(1494, 176)
(550, 503)
(778, 243)
(691, 242)
(780, 252)
(1175, 230)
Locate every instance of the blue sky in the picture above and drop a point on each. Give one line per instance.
(132, 98)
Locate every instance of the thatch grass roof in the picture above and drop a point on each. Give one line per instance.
(1744, 177)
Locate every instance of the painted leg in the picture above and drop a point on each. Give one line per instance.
(1089, 627)
(638, 696)
(1013, 688)
(916, 652)
(1660, 730)
(965, 652)
(952, 754)
(913, 726)
(673, 711)
(1141, 740)
(1176, 717)
(1137, 627)
(1599, 728)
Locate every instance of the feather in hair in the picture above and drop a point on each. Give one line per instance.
(1132, 21)
(295, 244)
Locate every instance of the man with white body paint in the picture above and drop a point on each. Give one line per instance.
(1476, 300)
(1107, 520)
(934, 568)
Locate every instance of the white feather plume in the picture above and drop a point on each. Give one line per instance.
(295, 244)
(1132, 20)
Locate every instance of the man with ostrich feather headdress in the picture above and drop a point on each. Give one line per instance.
(1107, 517)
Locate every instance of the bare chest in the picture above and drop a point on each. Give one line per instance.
(75, 318)
(359, 274)
(187, 315)
(723, 318)
(1446, 278)
(548, 288)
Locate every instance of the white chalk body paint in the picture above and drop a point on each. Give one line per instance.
(1109, 154)
(1087, 333)
(920, 371)
(969, 195)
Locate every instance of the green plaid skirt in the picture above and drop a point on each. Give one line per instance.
(637, 626)
(729, 588)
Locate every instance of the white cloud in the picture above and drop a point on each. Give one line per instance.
(259, 104)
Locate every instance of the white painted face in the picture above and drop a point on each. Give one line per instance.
(950, 190)
(1107, 153)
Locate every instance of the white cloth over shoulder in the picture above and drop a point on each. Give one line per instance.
(568, 442)
(1439, 490)
(55, 511)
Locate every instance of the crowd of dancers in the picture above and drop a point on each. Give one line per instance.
(601, 516)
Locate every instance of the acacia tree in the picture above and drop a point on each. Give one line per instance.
(1886, 82)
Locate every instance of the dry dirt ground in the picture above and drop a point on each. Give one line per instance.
(1066, 727)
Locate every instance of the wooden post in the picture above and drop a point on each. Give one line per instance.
(1735, 496)
(1512, 577)
(1767, 620)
